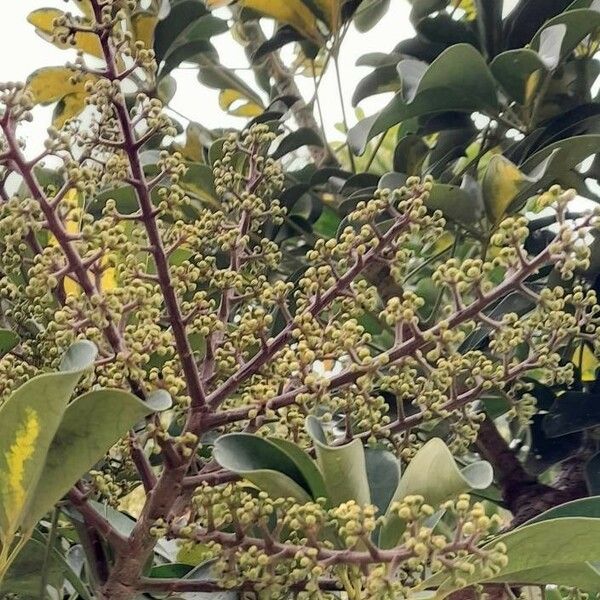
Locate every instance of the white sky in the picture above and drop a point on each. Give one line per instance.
(23, 52)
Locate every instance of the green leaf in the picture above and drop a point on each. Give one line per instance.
(186, 22)
(305, 464)
(8, 340)
(562, 157)
(571, 412)
(343, 467)
(592, 474)
(24, 576)
(433, 474)
(383, 474)
(578, 23)
(28, 421)
(263, 463)
(582, 507)
(305, 136)
(537, 553)
(369, 13)
(382, 79)
(92, 423)
(514, 70)
(458, 80)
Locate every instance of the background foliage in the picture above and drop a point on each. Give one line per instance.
(224, 353)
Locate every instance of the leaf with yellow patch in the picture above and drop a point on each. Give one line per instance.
(247, 108)
(72, 224)
(584, 358)
(502, 183)
(28, 421)
(58, 84)
(43, 19)
(143, 25)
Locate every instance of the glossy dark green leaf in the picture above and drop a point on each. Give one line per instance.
(513, 70)
(382, 79)
(572, 412)
(592, 474)
(305, 136)
(579, 23)
(458, 80)
(305, 465)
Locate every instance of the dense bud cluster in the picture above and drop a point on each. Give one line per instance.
(189, 295)
(299, 545)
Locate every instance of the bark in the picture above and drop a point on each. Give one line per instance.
(285, 85)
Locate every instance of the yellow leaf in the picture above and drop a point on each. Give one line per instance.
(247, 108)
(58, 84)
(588, 362)
(290, 12)
(72, 224)
(20, 451)
(143, 25)
(85, 6)
(67, 108)
(50, 84)
(43, 18)
(531, 86)
(468, 6)
(501, 184)
(133, 503)
(332, 9)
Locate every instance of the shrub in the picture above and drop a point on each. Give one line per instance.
(222, 375)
